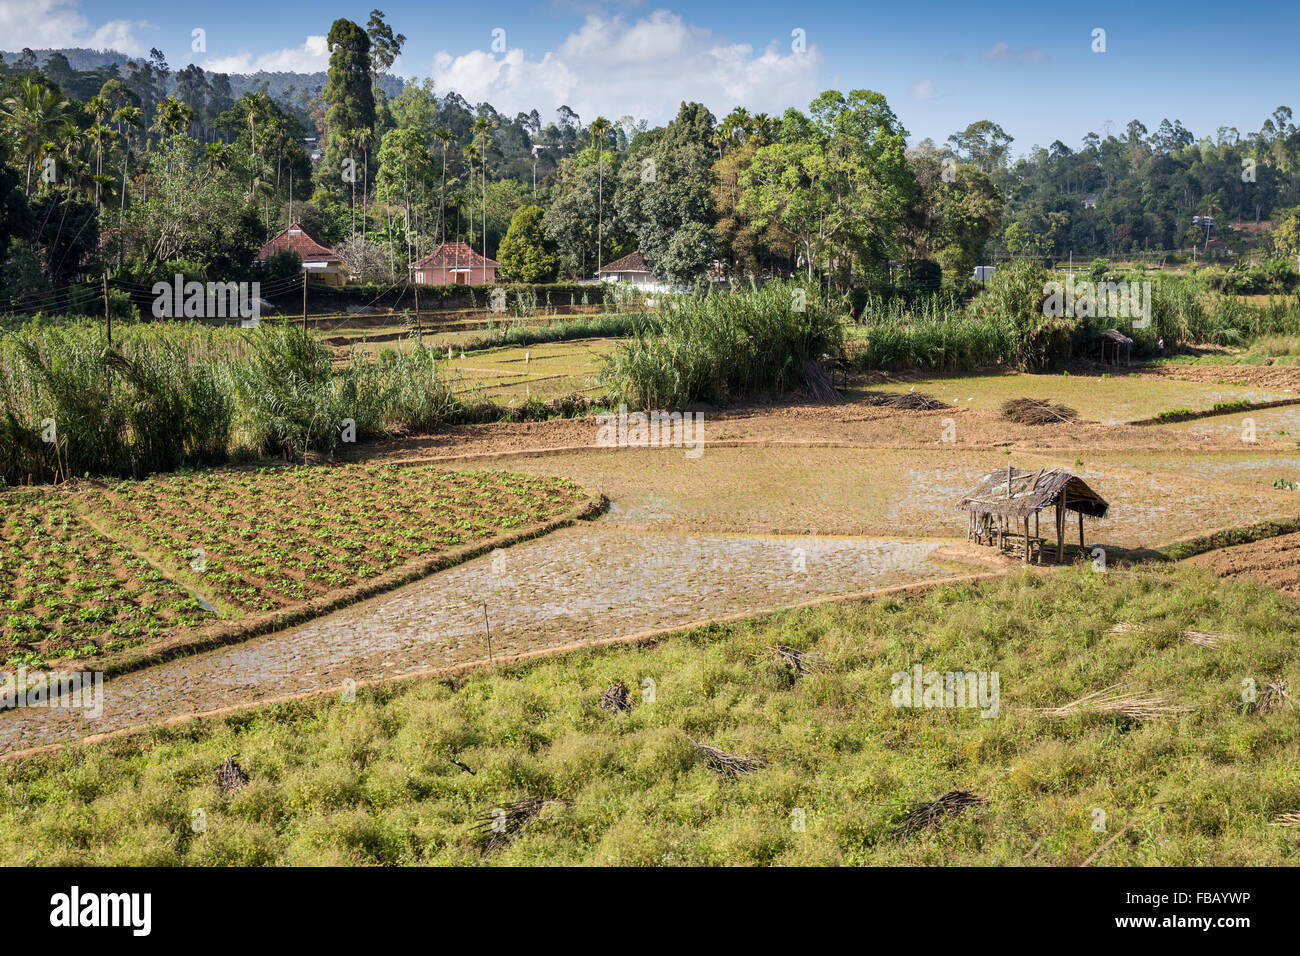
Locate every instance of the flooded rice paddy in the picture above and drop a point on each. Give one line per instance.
(594, 580)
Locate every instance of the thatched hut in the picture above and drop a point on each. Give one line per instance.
(1001, 506)
(1114, 343)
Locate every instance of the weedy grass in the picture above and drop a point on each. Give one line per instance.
(408, 772)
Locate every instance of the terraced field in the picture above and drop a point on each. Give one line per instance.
(108, 566)
(69, 591)
(1111, 398)
(909, 492)
(546, 371)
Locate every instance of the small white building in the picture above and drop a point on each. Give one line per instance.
(630, 269)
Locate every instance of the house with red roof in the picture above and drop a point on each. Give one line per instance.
(321, 263)
(630, 269)
(454, 263)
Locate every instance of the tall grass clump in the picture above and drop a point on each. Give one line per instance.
(723, 345)
(71, 404)
(285, 391)
(175, 395)
(930, 334)
(1013, 300)
(1004, 325)
(417, 399)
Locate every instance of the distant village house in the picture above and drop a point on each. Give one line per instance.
(630, 269)
(321, 263)
(454, 263)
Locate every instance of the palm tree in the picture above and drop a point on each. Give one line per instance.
(128, 118)
(215, 157)
(599, 127)
(256, 106)
(78, 160)
(37, 116)
(483, 128)
(172, 117)
(446, 137)
(99, 108)
(471, 154)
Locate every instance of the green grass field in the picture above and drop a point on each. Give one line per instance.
(544, 371)
(373, 781)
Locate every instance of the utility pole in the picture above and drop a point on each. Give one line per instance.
(108, 316)
(416, 286)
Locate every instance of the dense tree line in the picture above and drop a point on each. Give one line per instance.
(130, 167)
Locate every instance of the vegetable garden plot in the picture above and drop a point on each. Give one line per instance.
(262, 539)
(69, 591)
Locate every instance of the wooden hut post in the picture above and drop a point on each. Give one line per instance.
(1080, 530)
(1026, 539)
(1060, 530)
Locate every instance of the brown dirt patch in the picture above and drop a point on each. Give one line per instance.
(1274, 562)
(1272, 377)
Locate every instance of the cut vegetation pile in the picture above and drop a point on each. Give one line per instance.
(1118, 701)
(914, 401)
(926, 815)
(1036, 411)
(677, 781)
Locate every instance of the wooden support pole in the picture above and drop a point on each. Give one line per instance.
(1060, 531)
(1080, 530)
(1026, 539)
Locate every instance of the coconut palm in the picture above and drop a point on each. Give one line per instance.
(445, 137)
(36, 117)
(128, 118)
(599, 127)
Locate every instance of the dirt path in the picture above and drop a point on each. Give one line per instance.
(847, 424)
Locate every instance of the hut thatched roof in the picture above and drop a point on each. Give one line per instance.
(1032, 491)
(1116, 336)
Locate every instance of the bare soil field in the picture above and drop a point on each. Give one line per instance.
(1111, 396)
(1274, 562)
(786, 503)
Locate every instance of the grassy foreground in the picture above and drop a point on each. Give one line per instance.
(372, 781)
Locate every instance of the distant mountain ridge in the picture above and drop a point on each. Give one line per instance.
(277, 84)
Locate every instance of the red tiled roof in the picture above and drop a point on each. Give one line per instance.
(632, 262)
(300, 241)
(454, 255)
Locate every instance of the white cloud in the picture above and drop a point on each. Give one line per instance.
(612, 67)
(311, 57)
(42, 24)
(1001, 52)
(923, 90)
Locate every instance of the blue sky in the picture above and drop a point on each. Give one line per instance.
(942, 65)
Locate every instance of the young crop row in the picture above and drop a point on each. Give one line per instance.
(261, 539)
(68, 591)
